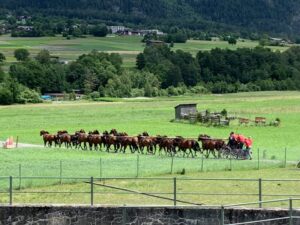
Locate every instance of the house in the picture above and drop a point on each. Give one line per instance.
(25, 28)
(183, 110)
(116, 29)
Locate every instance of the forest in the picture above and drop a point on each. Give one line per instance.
(159, 72)
(244, 18)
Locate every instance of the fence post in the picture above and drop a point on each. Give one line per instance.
(172, 162)
(290, 211)
(10, 190)
(137, 165)
(202, 161)
(285, 152)
(124, 215)
(60, 172)
(222, 215)
(92, 191)
(17, 142)
(230, 163)
(258, 159)
(175, 190)
(100, 168)
(260, 192)
(20, 176)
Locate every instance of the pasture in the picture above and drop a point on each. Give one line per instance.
(127, 46)
(153, 115)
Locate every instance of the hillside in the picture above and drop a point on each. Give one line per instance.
(271, 16)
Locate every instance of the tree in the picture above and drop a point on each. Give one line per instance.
(43, 57)
(2, 58)
(140, 61)
(21, 54)
(99, 31)
(232, 41)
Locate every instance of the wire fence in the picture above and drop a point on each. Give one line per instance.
(128, 165)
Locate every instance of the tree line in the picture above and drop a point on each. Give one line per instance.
(159, 72)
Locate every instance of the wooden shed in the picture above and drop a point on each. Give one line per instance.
(183, 110)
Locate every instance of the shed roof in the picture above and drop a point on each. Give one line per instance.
(191, 104)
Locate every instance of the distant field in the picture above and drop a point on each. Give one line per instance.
(128, 47)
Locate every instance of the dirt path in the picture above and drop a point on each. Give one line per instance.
(25, 145)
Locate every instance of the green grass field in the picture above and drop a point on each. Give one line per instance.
(207, 192)
(128, 47)
(153, 115)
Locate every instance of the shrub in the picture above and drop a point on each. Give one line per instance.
(6, 96)
(136, 92)
(95, 95)
(29, 96)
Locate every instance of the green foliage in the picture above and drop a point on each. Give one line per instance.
(43, 57)
(171, 68)
(178, 37)
(140, 61)
(6, 96)
(21, 54)
(276, 17)
(28, 96)
(232, 41)
(2, 58)
(99, 30)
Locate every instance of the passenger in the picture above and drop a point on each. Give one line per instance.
(241, 141)
(232, 140)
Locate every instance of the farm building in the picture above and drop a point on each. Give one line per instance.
(183, 110)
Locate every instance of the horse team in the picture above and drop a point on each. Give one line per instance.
(120, 141)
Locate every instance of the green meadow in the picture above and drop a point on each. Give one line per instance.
(153, 115)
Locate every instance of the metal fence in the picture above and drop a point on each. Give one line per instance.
(290, 218)
(135, 166)
(176, 188)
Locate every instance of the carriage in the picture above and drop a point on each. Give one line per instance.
(236, 153)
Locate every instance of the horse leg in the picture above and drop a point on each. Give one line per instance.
(207, 153)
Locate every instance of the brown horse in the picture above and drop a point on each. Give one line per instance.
(94, 140)
(109, 140)
(210, 145)
(48, 138)
(126, 141)
(147, 142)
(166, 144)
(82, 137)
(64, 137)
(187, 144)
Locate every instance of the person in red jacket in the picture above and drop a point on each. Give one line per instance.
(248, 145)
(241, 141)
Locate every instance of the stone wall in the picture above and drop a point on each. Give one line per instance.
(84, 215)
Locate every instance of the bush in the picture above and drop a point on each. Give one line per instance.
(199, 89)
(136, 92)
(94, 95)
(29, 96)
(6, 97)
